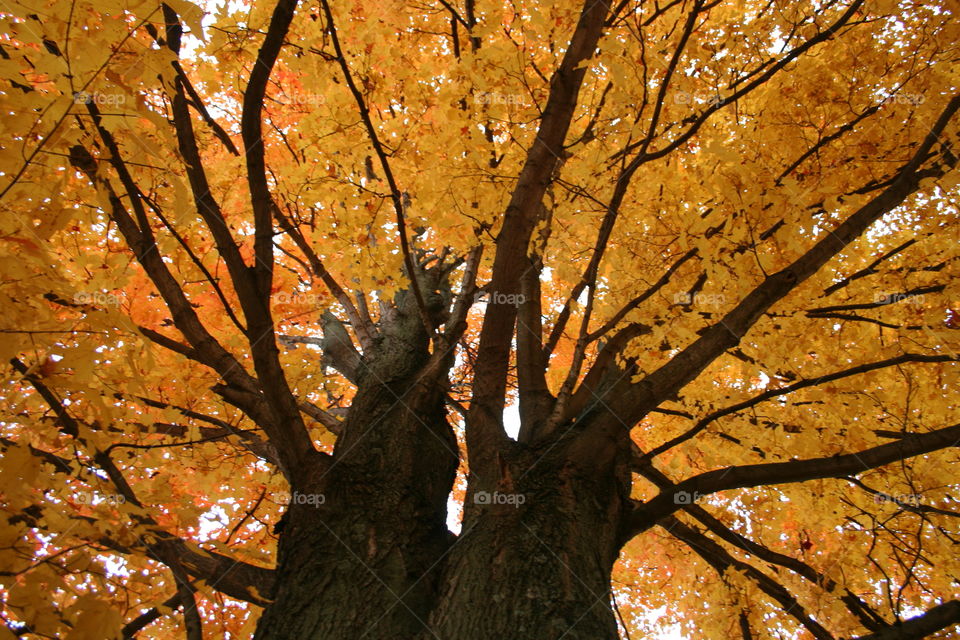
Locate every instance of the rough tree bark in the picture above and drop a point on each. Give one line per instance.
(362, 539)
(538, 551)
(364, 548)
(375, 560)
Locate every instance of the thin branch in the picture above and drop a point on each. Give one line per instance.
(774, 393)
(362, 326)
(864, 613)
(887, 299)
(638, 300)
(396, 195)
(135, 626)
(772, 69)
(233, 577)
(867, 616)
(720, 560)
(139, 238)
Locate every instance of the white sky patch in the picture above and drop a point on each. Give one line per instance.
(454, 514)
(764, 380)
(211, 522)
(511, 419)
(115, 566)
(670, 633)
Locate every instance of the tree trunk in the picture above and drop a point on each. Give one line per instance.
(363, 564)
(534, 557)
(532, 561)
(365, 553)
(359, 547)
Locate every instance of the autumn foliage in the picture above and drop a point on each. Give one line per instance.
(707, 249)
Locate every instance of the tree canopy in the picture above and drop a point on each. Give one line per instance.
(708, 245)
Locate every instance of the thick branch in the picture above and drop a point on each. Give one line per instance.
(533, 394)
(933, 620)
(484, 427)
(756, 475)
(338, 349)
(641, 397)
(290, 434)
(252, 133)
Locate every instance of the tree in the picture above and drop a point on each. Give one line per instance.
(663, 294)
